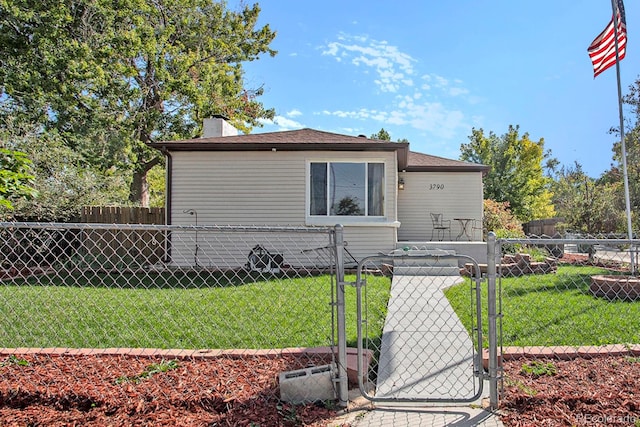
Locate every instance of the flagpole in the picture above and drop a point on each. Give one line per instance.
(623, 145)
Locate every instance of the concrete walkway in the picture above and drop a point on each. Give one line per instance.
(427, 417)
(425, 353)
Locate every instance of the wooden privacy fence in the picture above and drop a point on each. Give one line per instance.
(121, 215)
(134, 247)
(540, 227)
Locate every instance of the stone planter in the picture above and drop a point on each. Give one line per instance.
(612, 287)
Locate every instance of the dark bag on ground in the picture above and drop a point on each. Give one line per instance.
(263, 261)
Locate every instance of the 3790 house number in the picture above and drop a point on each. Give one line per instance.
(436, 186)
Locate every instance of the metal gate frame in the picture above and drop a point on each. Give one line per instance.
(493, 375)
(477, 329)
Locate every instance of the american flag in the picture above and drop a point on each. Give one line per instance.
(602, 50)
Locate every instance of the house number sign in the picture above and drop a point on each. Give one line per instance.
(436, 186)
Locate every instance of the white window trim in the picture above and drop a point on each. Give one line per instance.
(357, 221)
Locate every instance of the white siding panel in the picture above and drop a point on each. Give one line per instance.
(239, 189)
(454, 194)
(262, 188)
(230, 250)
(224, 250)
(368, 241)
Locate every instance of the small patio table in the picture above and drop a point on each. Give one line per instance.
(464, 228)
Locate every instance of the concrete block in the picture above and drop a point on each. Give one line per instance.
(308, 385)
(352, 365)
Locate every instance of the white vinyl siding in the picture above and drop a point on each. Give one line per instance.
(368, 241)
(454, 194)
(266, 188)
(245, 188)
(258, 188)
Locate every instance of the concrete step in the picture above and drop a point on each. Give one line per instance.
(426, 270)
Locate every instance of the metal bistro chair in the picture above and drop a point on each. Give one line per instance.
(440, 225)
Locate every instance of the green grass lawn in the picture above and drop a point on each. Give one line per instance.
(176, 310)
(556, 309)
(196, 310)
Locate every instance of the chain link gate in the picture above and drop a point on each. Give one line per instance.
(426, 344)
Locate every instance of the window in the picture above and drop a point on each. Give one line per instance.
(346, 189)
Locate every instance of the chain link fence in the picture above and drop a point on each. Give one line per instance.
(573, 299)
(133, 302)
(566, 294)
(212, 314)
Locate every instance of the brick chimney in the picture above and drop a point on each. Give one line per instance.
(217, 126)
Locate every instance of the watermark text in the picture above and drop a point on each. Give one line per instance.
(589, 419)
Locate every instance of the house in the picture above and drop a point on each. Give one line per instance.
(380, 191)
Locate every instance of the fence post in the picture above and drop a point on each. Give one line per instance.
(492, 317)
(342, 380)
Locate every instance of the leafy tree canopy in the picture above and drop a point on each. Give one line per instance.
(382, 135)
(111, 76)
(587, 205)
(497, 217)
(516, 175)
(15, 178)
(632, 149)
(64, 183)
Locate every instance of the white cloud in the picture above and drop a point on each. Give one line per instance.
(431, 117)
(392, 66)
(441, 81)
(407, 97)
(457, 91)
(283, 123)
(437, 119)
(452, 88)
(348, 130)
(394, 70)
(294, 113)
(332, 49)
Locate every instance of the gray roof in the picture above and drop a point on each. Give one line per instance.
(419, 162)
(314, 140)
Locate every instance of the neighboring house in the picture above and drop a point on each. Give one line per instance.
(381, 192)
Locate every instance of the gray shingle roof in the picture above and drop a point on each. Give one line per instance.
(419, 162)
(296, 137)
(310, 139)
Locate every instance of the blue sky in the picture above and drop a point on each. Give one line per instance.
(431, 71)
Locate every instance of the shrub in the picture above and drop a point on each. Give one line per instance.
(499, 219)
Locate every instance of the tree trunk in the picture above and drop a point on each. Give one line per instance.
(139, 189)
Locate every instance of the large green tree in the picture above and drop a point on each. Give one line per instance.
(632, 145)
(587, 205)
(516, 175)
(383, 135)
(64, 183)
(110, 76)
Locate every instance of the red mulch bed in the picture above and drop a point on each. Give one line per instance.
(86, 390)
(582, 392)
(600, 391)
